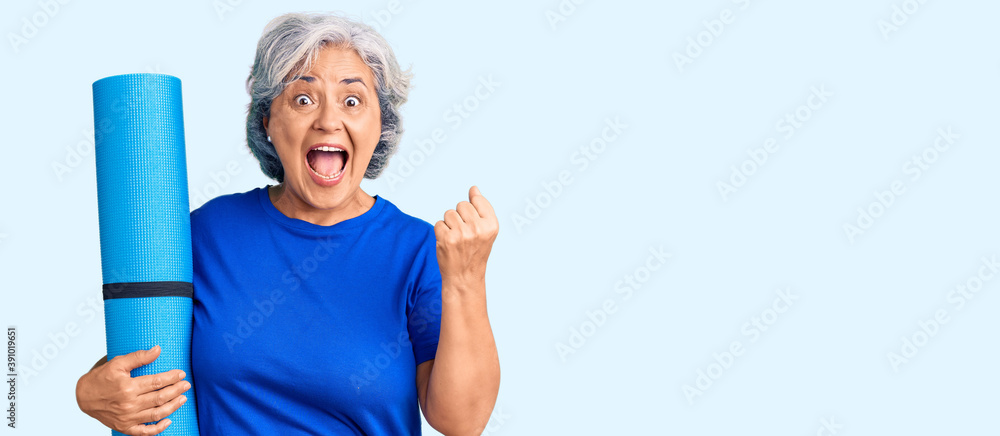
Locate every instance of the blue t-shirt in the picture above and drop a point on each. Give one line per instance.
(301, 329)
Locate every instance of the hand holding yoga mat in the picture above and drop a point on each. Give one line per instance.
(144, 224)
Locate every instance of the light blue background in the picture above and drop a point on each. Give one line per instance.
(655, 185)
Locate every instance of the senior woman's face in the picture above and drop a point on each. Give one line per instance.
(324, 127)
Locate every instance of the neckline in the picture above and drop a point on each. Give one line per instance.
(280, 218)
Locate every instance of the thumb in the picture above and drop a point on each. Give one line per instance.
(474, 191)
(139, 358)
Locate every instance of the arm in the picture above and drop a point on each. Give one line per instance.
(462, 381)
(459, 387)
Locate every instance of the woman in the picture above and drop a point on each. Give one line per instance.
(320, 309)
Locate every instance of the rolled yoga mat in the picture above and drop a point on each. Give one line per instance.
(142, 201)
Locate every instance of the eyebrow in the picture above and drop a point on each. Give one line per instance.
(351, 80)
(347, 81)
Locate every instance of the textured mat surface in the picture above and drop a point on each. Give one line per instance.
(144, 223)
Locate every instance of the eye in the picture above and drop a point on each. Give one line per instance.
(303, 100)
(352, 101)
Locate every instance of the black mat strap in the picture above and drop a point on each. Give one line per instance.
(148, 289)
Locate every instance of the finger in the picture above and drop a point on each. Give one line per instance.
(452, 219)
(158, 398)
(160, 412)
(467, 211)
(483, 206)
(147, 430)
(474, 191)
(152, 382)
(440, 228)
(135, 359)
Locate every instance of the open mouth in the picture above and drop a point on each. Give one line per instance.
(326, 161)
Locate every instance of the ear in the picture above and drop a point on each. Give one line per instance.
(266, 119)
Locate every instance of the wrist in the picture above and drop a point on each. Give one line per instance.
(464, 296)
(463, 285)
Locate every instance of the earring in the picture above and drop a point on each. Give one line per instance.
(268, 139)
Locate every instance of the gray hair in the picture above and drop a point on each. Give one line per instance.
(286, 50)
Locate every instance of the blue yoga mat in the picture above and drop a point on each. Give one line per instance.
(142, 201)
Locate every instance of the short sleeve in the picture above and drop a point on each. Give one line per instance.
(424, 303)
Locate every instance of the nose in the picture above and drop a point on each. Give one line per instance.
(328, 118)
